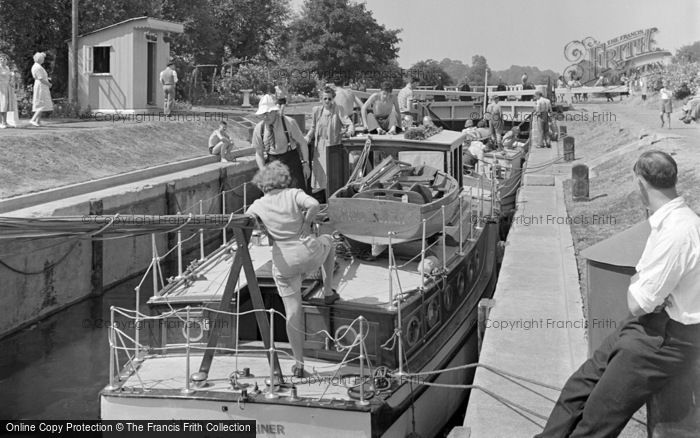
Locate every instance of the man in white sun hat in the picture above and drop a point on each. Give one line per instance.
(278, 138)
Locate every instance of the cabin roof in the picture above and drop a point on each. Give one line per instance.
(444, 140)
(144, 23)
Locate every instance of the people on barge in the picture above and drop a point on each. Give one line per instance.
(494, 116)
(278, 138)
(381, 112)
(346, 99)
(661, 339)
(328, 124)
(287, 215)
(405, 97)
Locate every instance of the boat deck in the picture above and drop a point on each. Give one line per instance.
(159, 376)
(360, 282)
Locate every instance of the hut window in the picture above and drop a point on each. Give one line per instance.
(100, 59)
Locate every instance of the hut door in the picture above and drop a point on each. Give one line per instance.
(151, 75)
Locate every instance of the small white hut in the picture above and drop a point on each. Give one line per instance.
(119, 65)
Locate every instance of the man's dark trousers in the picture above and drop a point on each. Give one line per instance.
(630, 365)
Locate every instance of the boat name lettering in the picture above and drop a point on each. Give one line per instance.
(396, 218)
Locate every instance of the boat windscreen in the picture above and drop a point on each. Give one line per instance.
(434, 159)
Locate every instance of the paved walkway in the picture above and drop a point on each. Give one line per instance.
(536, 328)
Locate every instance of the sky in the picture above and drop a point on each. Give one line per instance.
(527, 33)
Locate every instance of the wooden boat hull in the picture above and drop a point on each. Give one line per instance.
(436, 326)
(371, 220)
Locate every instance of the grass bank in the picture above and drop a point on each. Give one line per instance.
(35, 159)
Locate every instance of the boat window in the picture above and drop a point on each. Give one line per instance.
(434, 159)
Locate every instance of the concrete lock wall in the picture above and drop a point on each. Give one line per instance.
(46, 275)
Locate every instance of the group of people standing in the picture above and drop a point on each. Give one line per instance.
(41, 99)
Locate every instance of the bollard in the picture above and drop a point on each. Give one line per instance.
(568, 148)
(246, 98)
(483, 311)
(674, 410)
(562, 131)
(581, 184)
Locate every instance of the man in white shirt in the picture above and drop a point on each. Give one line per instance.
(345, 99)
(168, 78)
(278, 138)
(406, 97)
(662, 338)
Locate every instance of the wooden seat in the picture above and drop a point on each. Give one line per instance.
(391, 195)
(423, 191)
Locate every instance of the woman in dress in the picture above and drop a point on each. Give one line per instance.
(8, 101)
(328, 124)
(288, 214)
(42, 94)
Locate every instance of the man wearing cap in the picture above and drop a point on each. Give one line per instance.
(168, 78)
(661, 339)
(278, 138)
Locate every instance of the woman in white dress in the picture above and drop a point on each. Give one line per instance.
(42, 94)
(8, 101)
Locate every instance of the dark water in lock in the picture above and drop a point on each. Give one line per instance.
(56, 368)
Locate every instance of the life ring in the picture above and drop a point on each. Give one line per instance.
(413, 331)
(201, 331)
(460, 284)
(449, 297)
(347, 332)
(432, 313)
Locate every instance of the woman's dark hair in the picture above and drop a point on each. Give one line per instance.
(386, 86)
(328, 90)
(657, 168)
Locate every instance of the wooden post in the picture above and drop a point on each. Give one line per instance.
(96, 278)
(569, 148)
(562, 131)
(581, 185)
(171, 208)
(483, 311)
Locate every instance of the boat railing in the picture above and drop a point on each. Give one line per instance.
(118, 339)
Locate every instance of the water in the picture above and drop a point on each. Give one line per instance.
(55, 369)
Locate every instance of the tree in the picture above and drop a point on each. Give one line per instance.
(689, 53)
(340, 37)
(213, 28)
(429, 72)
(456, 69)
(477, 71)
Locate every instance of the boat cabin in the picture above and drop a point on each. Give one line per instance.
(442, 151)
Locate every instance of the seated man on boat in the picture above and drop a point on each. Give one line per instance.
(278, 138)
(381, 112)
(220, 143)
(474, 154)
(288, 214)
(510, 140)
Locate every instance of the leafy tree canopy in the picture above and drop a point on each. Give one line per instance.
(430, 72)
(341, 37)
(689, 53)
